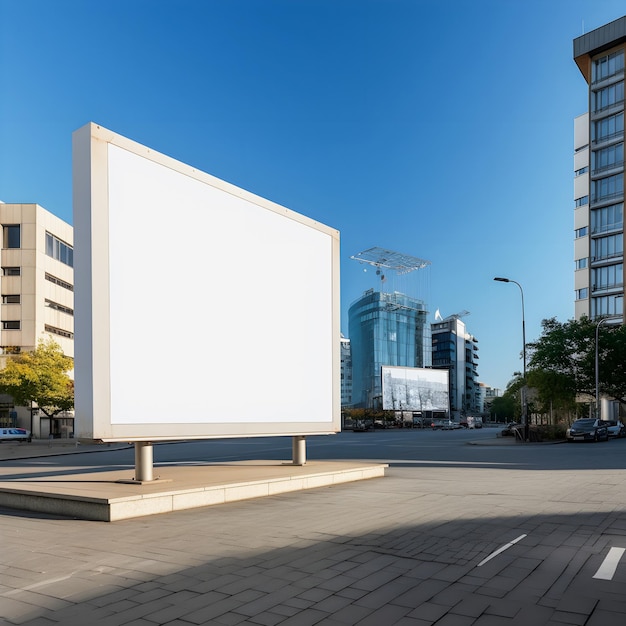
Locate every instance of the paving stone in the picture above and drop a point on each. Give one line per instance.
(573, 602)
(563, 617)
(455, 620)
(267, 618)
(388, 614)
(308, 617)
(606, 618)
(428, 611)
(471, 606)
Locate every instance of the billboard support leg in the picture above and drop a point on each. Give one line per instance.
(143, 461)
(298, 446)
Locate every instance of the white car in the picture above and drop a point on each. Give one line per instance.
(15, 434)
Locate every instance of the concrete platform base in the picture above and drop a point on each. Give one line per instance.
(101, 496)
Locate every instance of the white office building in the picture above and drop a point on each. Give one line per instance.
(37, 288)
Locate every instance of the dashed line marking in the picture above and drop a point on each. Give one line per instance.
(606, 571)
(506, 546)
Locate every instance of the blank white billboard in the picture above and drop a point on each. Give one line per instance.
(201, 309)
(415, 389)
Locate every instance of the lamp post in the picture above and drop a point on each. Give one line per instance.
(604, 319)
(524, 408)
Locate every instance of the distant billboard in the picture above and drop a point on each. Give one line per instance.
(201, 310)
(415, 389)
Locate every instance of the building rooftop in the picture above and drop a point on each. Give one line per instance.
(596, 41)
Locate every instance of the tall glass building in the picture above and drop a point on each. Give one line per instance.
(599, 175)
(385, 329)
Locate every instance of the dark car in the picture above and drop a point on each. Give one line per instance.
(587, 429)
(615, 428)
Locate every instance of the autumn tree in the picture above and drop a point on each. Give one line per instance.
(40, 377)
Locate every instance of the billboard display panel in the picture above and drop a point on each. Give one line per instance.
(415, 389)
(201, 309)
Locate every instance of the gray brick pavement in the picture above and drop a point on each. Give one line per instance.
(402, 550)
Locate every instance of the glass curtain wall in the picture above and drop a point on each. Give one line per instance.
(385, 329)
(607, 184)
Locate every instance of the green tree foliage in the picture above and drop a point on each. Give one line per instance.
(562, 361)
(40, 377)
(504, 408)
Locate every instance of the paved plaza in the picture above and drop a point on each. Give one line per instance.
(451, 546)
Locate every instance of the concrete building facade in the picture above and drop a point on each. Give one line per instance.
(37, 288)
(456, 350)
(599, 175)
(346, 372)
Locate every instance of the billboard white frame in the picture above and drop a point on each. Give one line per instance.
(415, 389)
(201, 310)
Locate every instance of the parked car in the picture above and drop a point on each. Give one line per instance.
(509, 431)
(445, 425)
(15, 434)
(615, 428)
(587, 429)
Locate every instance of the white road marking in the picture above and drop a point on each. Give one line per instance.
(502, 549)
(606, 571)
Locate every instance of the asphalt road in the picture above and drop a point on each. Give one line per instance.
(399, 448)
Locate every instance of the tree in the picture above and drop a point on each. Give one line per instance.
(40, 377)
(504, 408)
(562, 361)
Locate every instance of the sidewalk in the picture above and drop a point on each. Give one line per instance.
(52, 447)
(452, 546)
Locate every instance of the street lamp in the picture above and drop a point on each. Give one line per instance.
(524, 413)
(604, 319)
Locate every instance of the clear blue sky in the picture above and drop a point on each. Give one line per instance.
(440, 129)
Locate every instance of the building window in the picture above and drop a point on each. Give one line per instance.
(10, 349)
(609, 157)
(59, 250)
(59, 307)
(609, 127)
(581, 171)
(607, 218)
(582, 201)
(607, 247)
(608, 277)
(11, 299)
(608, 97)
(59, 282)
(581, 232)
(606, 305)
(11, 271)
(607, 66)
(581, 264)
(59, 331)
(11, 236)
(582, 294)
(11, 325)
(609, 187)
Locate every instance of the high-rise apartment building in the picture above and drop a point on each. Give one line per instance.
(599, 174)
(37, 288)
(455, 350)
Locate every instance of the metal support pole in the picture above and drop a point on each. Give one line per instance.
(298, 448)
(525, 422)
(597, 364)
(143, 461)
